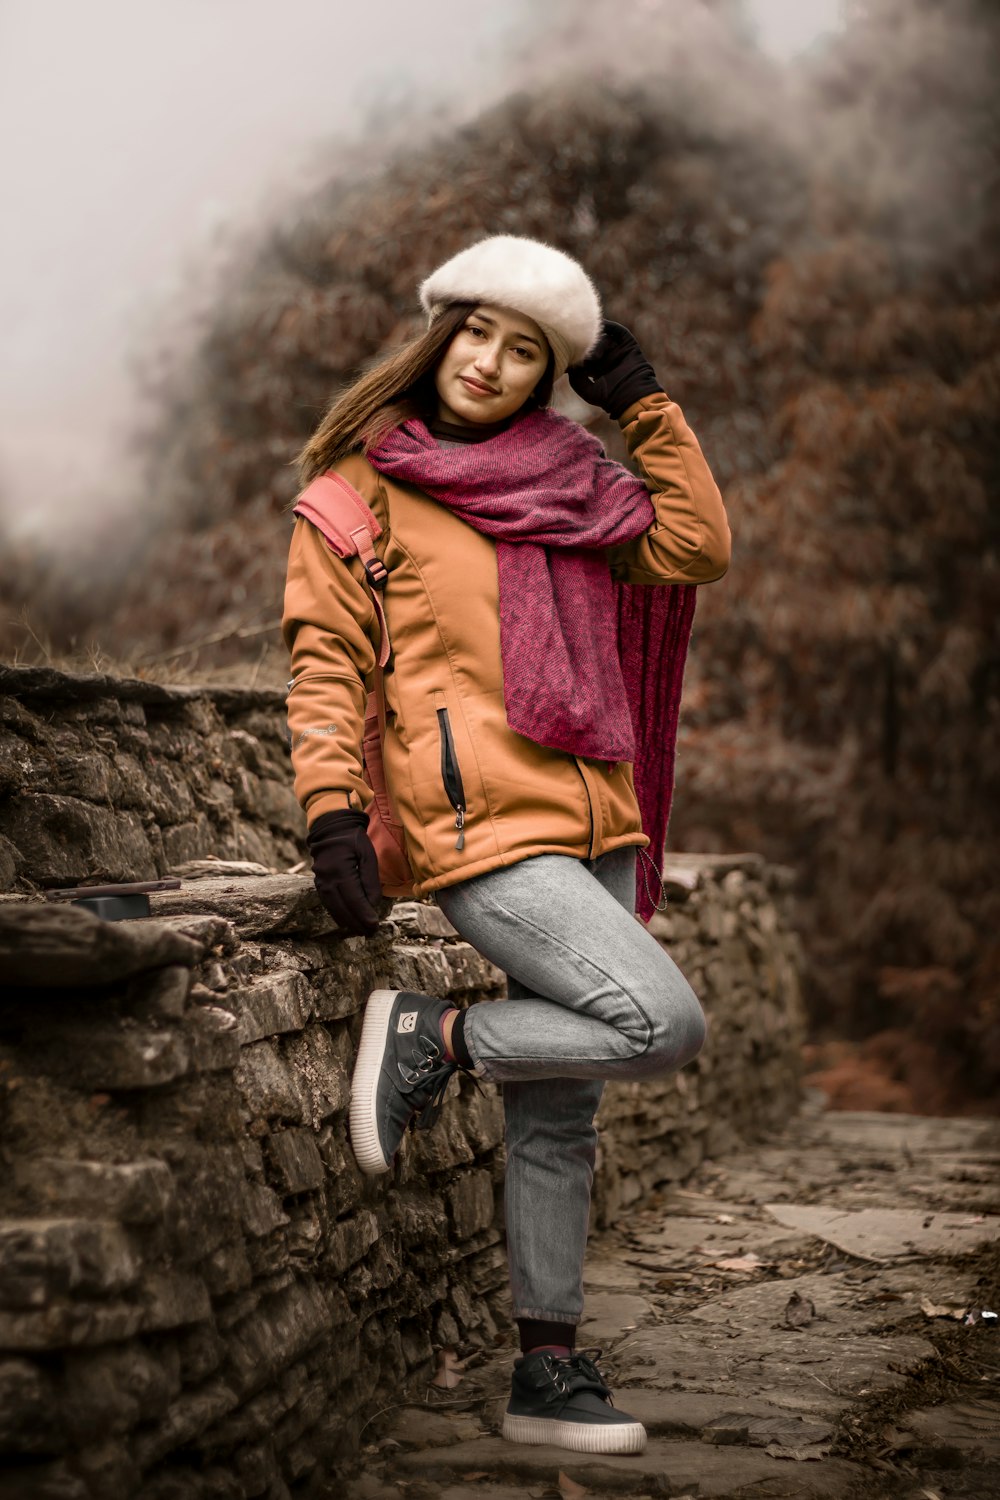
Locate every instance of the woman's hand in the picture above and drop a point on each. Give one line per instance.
(345, 868)
(616, 373)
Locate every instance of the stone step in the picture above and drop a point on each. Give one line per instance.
(665, 1469)
(719, 1418)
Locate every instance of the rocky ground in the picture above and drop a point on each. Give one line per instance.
(809, 1318)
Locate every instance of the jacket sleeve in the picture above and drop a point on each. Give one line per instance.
(689, 541)
(331, 631)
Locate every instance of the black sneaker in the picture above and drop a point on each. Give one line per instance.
(401, 1069)
(564, 1401)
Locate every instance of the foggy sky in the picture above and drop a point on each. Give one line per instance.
(138, 139)
(132, 136)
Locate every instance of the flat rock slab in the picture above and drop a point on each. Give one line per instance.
(915, 1282)
(695, 1244)
(49, 944)
(666, 1468)
(888, 1233)
(817, 1306)
(825, 1305)
(421, 919)
(909, 1135)
(84, 687)
(261, 906)
(965, 1426)
(828, 1305)
(602, 1273)
(776, 1361)
(477, 1490)
(422, 1427)
(685, 1203)
(609, 1315)
(693, 1414)
(211, 868)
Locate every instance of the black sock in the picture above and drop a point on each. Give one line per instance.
(462, 1055)
(535, 1331)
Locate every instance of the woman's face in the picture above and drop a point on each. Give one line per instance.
(491, 366)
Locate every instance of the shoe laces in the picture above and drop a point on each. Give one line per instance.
(577, 1372)
(427, 1075)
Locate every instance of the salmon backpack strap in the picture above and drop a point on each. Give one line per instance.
(351, 529)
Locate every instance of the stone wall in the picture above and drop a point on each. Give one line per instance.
(125, 780)
(199, 1293)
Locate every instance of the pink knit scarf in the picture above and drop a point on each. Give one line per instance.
(590, 666)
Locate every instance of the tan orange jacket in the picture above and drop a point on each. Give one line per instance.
(447, 737)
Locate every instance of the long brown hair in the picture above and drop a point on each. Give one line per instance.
(394, 389)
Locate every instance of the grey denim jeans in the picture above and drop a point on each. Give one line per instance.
(591, 995)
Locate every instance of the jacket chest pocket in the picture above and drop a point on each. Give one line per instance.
(451, 774)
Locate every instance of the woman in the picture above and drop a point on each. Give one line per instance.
(509, 744)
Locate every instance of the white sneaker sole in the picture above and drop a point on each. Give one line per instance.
(364, 1082)
(581, 1437)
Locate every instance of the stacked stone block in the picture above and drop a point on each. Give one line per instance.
(199, 1292)
(124, 779)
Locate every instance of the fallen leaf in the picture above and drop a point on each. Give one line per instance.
(449, 1369)
(740, 1263)
(569, 1489)
(799, 1311)
(941, 1309)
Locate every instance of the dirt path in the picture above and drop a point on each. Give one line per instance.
(793, 1323)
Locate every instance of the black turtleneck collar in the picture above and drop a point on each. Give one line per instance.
(451, 432)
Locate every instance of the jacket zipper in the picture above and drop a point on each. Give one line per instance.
(451, 775)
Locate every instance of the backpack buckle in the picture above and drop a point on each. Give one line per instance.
(377, 572)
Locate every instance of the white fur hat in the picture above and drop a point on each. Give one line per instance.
(527, 276)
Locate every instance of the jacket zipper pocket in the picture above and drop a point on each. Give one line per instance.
(451, 775)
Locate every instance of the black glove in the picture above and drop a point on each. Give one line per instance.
(615, 373)
(345, 868)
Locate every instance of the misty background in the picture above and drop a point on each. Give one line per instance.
(139, 144)
(216, 213)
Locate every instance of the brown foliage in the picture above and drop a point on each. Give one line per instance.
(829, 319)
